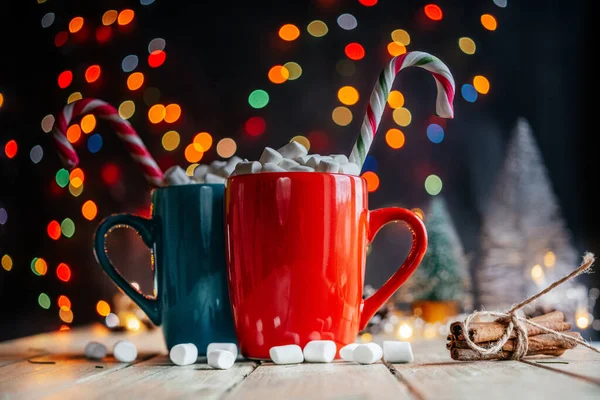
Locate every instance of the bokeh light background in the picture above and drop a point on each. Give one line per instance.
(202, 82)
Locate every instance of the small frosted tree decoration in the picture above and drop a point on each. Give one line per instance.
(443, 273)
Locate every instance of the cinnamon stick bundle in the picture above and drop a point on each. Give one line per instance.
(472, 355)
(541, 342)
(480, 332)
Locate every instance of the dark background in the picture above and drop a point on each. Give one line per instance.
(538, 62)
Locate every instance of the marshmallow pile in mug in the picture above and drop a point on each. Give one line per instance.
(293, 157)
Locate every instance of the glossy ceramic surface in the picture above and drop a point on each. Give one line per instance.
(187, 238)
(296, 251)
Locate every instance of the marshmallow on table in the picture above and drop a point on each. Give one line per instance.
(176, 176)
(350, 169)
(328, 166)
(292, 150)
(302, 168)
(95, 351)
(270, 156)
(288, 163)
(220, 359)
(320, 351)
(268, 167)
(395, 351)
(230, 347)
(367, 353)
(247, 167)
(346, 351)
(288, 354)
(212, 178)
(125, 351)
(184, 354)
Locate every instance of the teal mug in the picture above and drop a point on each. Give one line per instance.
(187, 239)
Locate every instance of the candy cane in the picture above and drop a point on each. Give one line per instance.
(124, 130)
(445, 96)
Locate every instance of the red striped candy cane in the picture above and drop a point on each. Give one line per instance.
(445, 96)
(124, 130)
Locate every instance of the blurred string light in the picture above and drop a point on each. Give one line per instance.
(395, 99)
(92, 73)
(74, 97)
(1, 99)
(44, 301)
(501, 3)
(342, 116)
(303, 140)
(433, 185)
(435, 133)
(192, 154)
(157, 44)
(433, 12)
(63, 272)
(76, 24)
(317, 28)
(3, 216)
(126, 109)
(289, 32)
(157, 58)
(255, 126)
(294, 70)
(481, 84)
(103, 308)
(89, 210)
(62, 177)
(76, 177)
(278, 74)
(189, 171)
(48, 20)
(63, 302)
(467, 45)
(170, 140)
(103, 34)
(489, 22)
(348, 95)
(109, 17)
(394, 138)
(39, 266)
(53, 230)
(203, 141)
(347, 22)
(64, 79)
(130, 63)
(7, 262)
(549, 259)
(419, 213)
(88, 123)
(395, 49)
(370, 164)
(354, 51)
(94, 143)
(172, 113)
(67, 227)
(368, 3)
(402, 116)
(125, 17)
(66, 315)
(400, 36)
(73, 133)
(61, 38)
(258, 99)
(372, 181)
(11, 148)
(157, 113)
(468, 92)
(226, 147)
(112, 320)
(47, 123)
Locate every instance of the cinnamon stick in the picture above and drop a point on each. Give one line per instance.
(472, 355)
(536, 343)
(490, 331)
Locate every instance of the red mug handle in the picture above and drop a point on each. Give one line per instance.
(377, 219)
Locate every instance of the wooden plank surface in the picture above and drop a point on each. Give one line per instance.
(580, 363)
(338, 380)
(158, 378)
(435, 376)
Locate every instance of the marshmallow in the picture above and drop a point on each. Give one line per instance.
(289, 354)
(346, 351)
(313, 161)
(367, 353)
(320, 351)
(302, 168)
(288, 163)
(95, 351)
(302, 159)
(220, 359)
(212, 178)
(200, 172)
(184, 354)
(292, 150)
(328, 166)
(350, 169)
(268, 167)
(216, 165)
(270, 156)
(247, 167)
(176, 176)
(230, 347)
(395, 351)
(226, 170)
(125, 351)
(340, 158)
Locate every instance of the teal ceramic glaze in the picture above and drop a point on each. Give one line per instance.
(188, 243)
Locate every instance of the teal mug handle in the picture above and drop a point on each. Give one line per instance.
(145, 228)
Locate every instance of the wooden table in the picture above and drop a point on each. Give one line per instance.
(52, 366)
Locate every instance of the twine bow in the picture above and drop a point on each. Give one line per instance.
(515, 321)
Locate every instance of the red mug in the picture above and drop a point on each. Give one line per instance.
(296, 254)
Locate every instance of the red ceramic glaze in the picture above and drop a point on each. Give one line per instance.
(296, 251)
